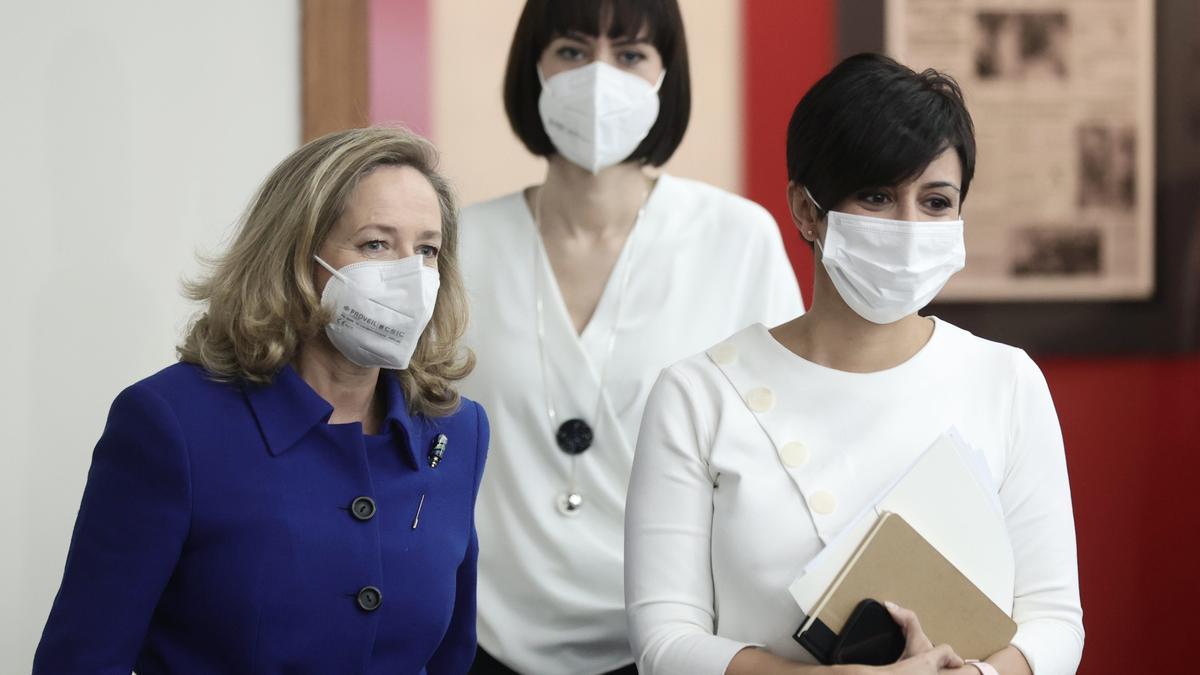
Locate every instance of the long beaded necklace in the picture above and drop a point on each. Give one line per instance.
(574, 436)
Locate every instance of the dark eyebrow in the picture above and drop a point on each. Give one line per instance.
(941, 183)
(431, 234)
(620, 42)
(579, 37)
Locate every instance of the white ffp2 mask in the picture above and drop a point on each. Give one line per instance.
(597, 115)
(887, 269)
(380, 308)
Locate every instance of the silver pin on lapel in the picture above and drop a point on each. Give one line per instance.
(420, 505)
(438, 451)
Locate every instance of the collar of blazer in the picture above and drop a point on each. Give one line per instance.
(287, 409)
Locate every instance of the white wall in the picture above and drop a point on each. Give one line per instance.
(132, 134)
(469, 44)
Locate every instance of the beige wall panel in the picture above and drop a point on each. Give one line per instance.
(481, 155)
(712, 149)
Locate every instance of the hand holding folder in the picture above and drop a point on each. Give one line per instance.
(896, 564)
(935, 542)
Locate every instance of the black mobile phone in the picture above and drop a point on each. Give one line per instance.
(870, 637)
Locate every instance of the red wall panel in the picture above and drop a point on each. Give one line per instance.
(788, 47)
(1132, 431)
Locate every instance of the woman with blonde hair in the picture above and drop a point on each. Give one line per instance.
(298, 492)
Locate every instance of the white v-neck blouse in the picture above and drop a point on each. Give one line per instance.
(705, 264)
(751, 459)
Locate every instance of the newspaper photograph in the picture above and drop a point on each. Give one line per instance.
(1062, 95)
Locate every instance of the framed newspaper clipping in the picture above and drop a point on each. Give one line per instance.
(1062, 95)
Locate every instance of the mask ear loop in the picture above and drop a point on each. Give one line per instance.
(821, 213)
(661, 78)
(332, 271)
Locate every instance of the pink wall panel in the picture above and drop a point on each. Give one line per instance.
(398, 69)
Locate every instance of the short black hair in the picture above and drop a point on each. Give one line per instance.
(543, 20)
(872, 122)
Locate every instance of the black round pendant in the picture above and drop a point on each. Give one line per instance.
(574, 436)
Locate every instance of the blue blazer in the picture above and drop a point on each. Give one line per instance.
(221, 531)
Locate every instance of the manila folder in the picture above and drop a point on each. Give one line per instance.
(897, 564)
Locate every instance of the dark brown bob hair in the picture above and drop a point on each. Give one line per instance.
(544, 20)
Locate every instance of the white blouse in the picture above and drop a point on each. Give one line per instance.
(752, 459)
(705, 263)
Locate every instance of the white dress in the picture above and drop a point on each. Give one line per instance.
(705, 263)
(751, 459)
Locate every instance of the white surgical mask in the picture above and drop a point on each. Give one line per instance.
(380, 308)
(597, 115)
(887, 269)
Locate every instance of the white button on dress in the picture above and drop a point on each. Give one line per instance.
(794, 454)
(823, 503)
(760, 400)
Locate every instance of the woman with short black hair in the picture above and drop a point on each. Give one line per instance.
(756, 454)
(582, 289)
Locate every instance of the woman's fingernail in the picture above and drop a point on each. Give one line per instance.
(889, 604)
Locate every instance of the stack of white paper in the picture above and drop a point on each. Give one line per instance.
(948, 497)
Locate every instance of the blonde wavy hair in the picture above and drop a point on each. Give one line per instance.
(261, 302)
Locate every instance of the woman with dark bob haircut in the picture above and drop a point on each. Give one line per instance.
(582, 289)
(756, 454)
